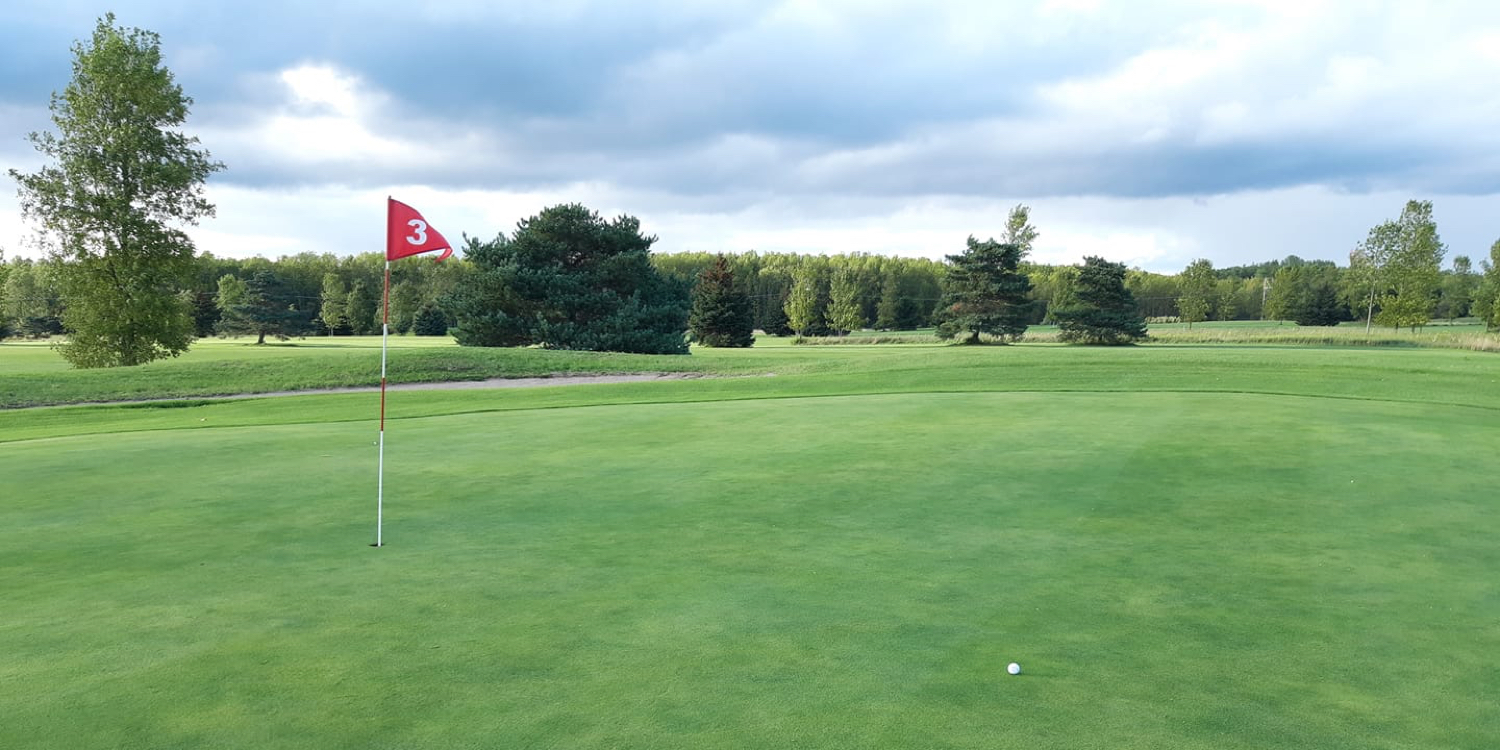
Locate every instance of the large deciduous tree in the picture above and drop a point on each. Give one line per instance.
(122, 177)
(1487, 298)
(804, 311)
(1398, 265)
(1199, 288)
(1018, 229)
(333, 310)
(844, 311)
(721, 314)
(985, 292)
(1104, 311)
(1413, 273)
(568, 279)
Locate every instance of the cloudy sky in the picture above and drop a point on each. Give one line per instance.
(1146, 132)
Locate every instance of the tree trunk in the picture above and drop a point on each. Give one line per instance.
(262, 338)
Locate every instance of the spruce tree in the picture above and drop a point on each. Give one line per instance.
(1104, 311)
(430, 321)
(985, 292)
(261, 306)
(568, 279)
(721, 315)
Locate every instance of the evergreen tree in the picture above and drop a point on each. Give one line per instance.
(1105, 311)
(721, 314)
(430, 321)
(985, 292)
(568, 279)
(261, 306)
(1321, 306)
(122, 176)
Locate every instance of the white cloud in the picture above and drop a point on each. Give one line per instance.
(1149, 132)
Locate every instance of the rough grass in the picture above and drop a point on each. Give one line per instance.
(1471, 337)
(842, 558)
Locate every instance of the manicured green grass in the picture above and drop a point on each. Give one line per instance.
(1191, 547)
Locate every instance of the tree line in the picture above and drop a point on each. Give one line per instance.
(328, 295)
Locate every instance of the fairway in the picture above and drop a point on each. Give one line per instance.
(1195, 570)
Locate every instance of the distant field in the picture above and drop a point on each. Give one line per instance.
(1442, 335)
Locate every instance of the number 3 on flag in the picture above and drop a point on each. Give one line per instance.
(419, 232)
(407, 233)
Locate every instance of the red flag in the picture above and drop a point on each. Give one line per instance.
(407, 233)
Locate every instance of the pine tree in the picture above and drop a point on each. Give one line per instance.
(568, 279)
(1105, 311)
(430, 321)
(721, 314)
(261, 306)
(985, 292)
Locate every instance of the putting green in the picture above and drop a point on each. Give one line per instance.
(1189, 570)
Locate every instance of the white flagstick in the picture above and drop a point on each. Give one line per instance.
(385, 335)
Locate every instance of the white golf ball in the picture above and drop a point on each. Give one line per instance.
(1014, 668)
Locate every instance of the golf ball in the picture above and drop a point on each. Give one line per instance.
(1014, 668)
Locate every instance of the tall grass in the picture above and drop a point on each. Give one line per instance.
(1472, 340)
(1465, 337)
